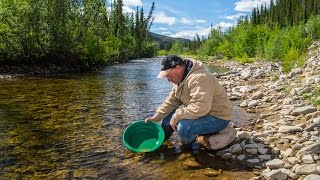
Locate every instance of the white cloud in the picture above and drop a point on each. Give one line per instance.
(189, 34)
(186, 21)
(162, 18)
(132, 2)
(166, 33)
(223, 25)
(201, 21)
(126, 9)
(234, 17)
(248, 5)
(163, 29)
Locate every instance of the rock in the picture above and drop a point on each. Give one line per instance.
(264, 157)
(312, 149)
(308, 159)
(275, 164)
(303, 110)
(306, 169)
(212, 173)
(235, 148)
(311, 126)
(253, 103)
(190, 163)
(312, 177)
(241, 157)
(275, 175)
(289, 173)
(290, 129)
(257, 95)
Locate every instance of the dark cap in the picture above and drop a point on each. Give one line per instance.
(167, 63)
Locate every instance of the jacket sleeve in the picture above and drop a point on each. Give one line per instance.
(201, 94)
(171, 103)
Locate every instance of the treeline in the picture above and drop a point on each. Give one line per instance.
(90, 31)
(278, 33)
(283, 13)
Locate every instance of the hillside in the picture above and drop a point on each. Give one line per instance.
(165, 42)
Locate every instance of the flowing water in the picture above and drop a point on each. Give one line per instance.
(70, 127)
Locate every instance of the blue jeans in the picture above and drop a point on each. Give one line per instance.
(188, 129)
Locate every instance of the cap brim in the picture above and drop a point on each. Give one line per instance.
(163, 74)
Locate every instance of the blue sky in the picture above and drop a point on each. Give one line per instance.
(185, 18)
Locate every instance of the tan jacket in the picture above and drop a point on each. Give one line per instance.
(200, 94)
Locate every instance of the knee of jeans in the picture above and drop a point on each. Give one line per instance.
(185, 131)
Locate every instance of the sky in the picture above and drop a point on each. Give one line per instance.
(186, 18)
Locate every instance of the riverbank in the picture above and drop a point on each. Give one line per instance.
(283, 141)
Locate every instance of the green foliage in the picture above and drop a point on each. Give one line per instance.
(30, 30)
(316, 101)
(292, 58)
(313, 27)
(177, 48)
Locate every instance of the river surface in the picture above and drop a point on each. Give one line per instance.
(70, 127)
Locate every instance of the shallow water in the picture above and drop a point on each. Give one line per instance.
(70, 126)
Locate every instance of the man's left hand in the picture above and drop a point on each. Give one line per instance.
(173, 125)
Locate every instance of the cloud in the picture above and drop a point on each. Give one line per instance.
(201, 21)
(163, 29)
(248, 5)
(162, 18)
(166, 33)
(126, 9)
(234, 17)
(186, 21)
(190, 34)
(132, 2)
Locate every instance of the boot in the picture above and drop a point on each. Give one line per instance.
(218, 141)
(168, 131)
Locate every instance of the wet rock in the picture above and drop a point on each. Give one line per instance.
(191, 164)
(212, 173)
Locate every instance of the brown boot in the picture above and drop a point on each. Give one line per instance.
(218, 141)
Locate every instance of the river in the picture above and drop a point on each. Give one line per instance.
(69, 126)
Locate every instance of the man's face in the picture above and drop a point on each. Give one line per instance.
(175, 74)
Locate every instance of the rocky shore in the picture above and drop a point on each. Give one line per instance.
(282, 141)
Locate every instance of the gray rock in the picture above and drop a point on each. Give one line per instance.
(303, 110)
(275, 175)
(306, 169)
(241, 157)
(275, 164)
(308, 159)
(311, 126)
(312, 177)
(312, 149)
(289, 173)
(235, 148)
(290, 129)
(257, 95)
(265, 157)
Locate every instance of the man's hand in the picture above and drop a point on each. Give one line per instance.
(150, 119)
(173, 125)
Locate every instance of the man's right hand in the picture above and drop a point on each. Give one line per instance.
(150, 119)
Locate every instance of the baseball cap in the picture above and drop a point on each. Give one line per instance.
(167, 63)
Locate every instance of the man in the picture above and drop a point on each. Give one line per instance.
(205, 109)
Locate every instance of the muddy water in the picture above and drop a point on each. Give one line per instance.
(70, 126)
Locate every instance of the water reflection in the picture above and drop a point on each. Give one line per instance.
(70, 126)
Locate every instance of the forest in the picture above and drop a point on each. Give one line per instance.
(83, 32)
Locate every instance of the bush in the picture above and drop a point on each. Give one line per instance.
(313, 27)
(292, 59)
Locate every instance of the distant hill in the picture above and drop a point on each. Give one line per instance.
(165, 42)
